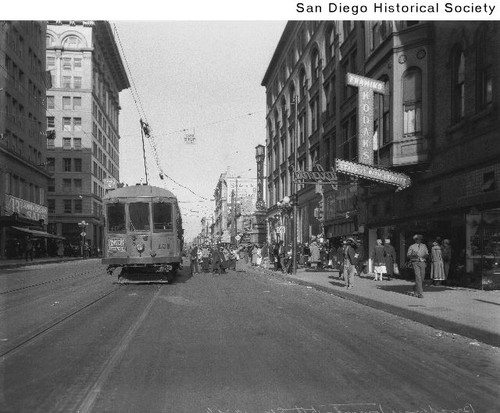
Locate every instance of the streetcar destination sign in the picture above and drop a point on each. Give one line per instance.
(373, 174)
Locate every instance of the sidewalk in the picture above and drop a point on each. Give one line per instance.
(464, 311)
(21, 262)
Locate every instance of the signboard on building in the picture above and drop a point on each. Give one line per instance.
(373, 174)
(110, 183)
(367, 87)
(25, 208)
(320, 176)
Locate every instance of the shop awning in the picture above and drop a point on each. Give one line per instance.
(38, 234)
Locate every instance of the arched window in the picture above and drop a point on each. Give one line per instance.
(276, 123)
(302, 83)
(49, 40)
(484, 70)
(412, 101)
(284, 112)
(72, 42)
(270, 130)
(458, 84)
(330, 42)
(315, 66)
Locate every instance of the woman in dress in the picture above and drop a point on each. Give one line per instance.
(378, 258)
(437, 265)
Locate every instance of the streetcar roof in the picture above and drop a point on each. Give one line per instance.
(138, 191)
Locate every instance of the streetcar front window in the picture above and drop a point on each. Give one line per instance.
(139, 216)
(162, 217)
(116, 218)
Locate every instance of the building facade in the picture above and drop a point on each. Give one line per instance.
(82, 117)
(235, 206)
(438, 123)
(23, 176)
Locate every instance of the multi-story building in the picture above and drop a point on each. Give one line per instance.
(23, 177)
(235, 200)
(82, 113)
(438, 123)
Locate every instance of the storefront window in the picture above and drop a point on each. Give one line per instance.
(483, 248)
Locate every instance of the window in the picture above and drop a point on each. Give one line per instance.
(484, 70)
(78, 185)
(51, 164)
(51, 185)
(382, 116)
(51, 61)
(302, 83)
(50, 102)
(314, 115)
(51, 205)
(458, 85)
(77, 82)
(330, 42)
(77, 63)
(66, 143)
(67, 185)
(66, 63)
(77, 124)
(67, 124)
(49, 41)
(72, 42)
(139, 216)
(66, 100)
(51, 123)
(315, 66)
(67, 206)
(116, 218)
(77, 143)
(78, 206)
(66, 164)
(66, 82)
(412, 101)
(162, 217)
(78, 164)
(77, 103)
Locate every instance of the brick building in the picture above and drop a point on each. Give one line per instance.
(438, 124)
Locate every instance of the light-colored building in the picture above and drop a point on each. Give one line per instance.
(82, 111)
(23, 177)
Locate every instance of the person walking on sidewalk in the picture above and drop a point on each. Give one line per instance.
(390, 258)
(446, 252)
(437, 265)
(350, 261)
(193, 255)
(28, 250)
(418, 253)
(378, 260)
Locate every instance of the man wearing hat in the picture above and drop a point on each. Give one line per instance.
(418, 253)
(350, 261)
(390, 258)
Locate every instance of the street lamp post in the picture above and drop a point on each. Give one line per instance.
(83, 234)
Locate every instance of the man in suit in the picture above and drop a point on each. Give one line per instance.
(418, 253)
(350, 260)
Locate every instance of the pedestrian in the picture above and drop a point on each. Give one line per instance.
(265, 255)
(28, 248)
(276, 257)
(205, 259)
(255, 255)
(350, 259)
(417, 254)
(315, 255)
(193, 255)
(60, 249)
(446, 252)
(437, 265)
(378, 260)
(216, 262)
(390, 258)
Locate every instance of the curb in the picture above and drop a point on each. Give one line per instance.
(30, 263)
(449, 326)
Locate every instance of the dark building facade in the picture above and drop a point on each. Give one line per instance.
(438, 124)
(23, 176)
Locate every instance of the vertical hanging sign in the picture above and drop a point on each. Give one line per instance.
(366, 88)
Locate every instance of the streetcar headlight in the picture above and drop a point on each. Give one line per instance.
(140, 247)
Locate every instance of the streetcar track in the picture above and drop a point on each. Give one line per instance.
(52, 325)
(25, 287)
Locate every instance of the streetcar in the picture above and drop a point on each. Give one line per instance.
(143, 234)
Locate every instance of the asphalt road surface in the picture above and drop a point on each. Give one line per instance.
(72, 340)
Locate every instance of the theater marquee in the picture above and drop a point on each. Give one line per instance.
(373, 174)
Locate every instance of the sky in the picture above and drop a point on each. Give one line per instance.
(194, 77)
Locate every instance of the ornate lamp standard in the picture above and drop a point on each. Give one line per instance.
(260, 205)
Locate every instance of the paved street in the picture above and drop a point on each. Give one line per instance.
(73, 340)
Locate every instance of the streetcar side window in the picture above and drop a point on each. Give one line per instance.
(162, 217)
(116, 218)
(139, 216)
